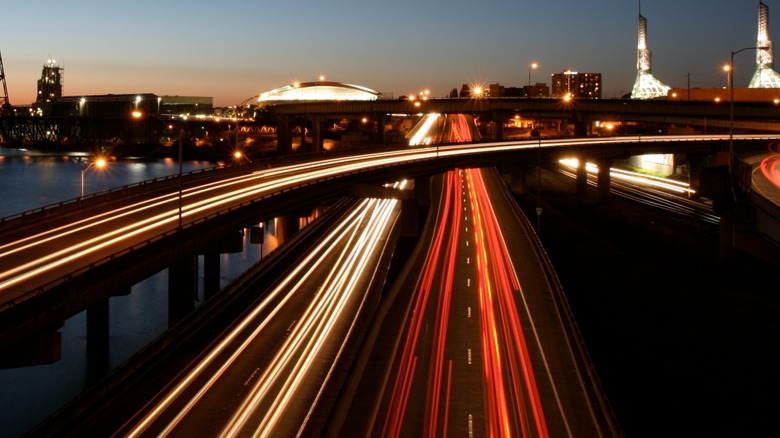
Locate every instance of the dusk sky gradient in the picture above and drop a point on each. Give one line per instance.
(233, 50)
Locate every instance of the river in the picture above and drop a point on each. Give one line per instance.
(29, 181)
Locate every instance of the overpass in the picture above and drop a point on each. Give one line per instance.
(280, 122)
(648, 115)
(62, 259)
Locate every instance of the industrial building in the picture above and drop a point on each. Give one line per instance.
(126, 105)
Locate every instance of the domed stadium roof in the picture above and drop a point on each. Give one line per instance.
(320, 90)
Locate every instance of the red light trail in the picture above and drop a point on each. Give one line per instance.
(511, 404)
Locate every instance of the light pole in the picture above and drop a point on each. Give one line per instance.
(181, 148)
(731, 104)
(533, 66)
(99, 163)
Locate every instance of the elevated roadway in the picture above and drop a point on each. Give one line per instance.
(753, 116)
(58, 261)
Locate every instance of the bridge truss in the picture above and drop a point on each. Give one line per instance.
(6, 104)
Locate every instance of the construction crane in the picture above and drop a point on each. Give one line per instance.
(6, 106)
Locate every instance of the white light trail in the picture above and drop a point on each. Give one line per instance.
(625, 175)
(361, 233)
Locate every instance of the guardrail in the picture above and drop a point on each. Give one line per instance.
(76, 203)
(40, 290)
(90, 199)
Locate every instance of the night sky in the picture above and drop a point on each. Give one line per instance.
(233, 50)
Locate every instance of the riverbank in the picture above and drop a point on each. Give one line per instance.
(127, 151)
(684, 343)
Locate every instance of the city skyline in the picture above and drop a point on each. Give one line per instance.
(233, 51)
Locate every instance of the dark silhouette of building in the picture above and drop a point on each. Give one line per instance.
(135, 105)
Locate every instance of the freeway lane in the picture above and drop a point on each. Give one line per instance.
(487, 347)
(266, 374)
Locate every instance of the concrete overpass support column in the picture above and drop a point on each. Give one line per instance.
(604, 178)
(474, 130)
(284, 135)
(316, 133)
(182, 288)
(410, 218)
(499, 118)
(303, 147)
(696, 163)
(582, 176)
(422, 190)
(210, 274)
(726, 232)
(381, 121)
(413, 210)
(516, 174)
(286, 227)
(97, 336)
(582, 126)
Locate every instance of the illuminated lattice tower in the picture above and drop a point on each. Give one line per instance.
(765, 75)
(646, 85)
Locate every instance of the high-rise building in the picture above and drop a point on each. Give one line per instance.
(646, 86)
(50, 83)
(765, 75)
(577, 85)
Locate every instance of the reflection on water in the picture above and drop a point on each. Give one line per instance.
(30, 394)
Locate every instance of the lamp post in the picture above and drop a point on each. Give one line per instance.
(99, 163)
(533, 66)
(181, 148)
(731, 104)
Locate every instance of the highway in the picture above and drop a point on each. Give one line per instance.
(666, 194)
(486, 346)
(31, 258)
(267, 373)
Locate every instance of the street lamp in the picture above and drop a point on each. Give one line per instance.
(99, 163)
(731, 103)
(181, 156)
(533, 66)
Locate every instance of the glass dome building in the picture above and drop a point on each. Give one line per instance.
(313, 91)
